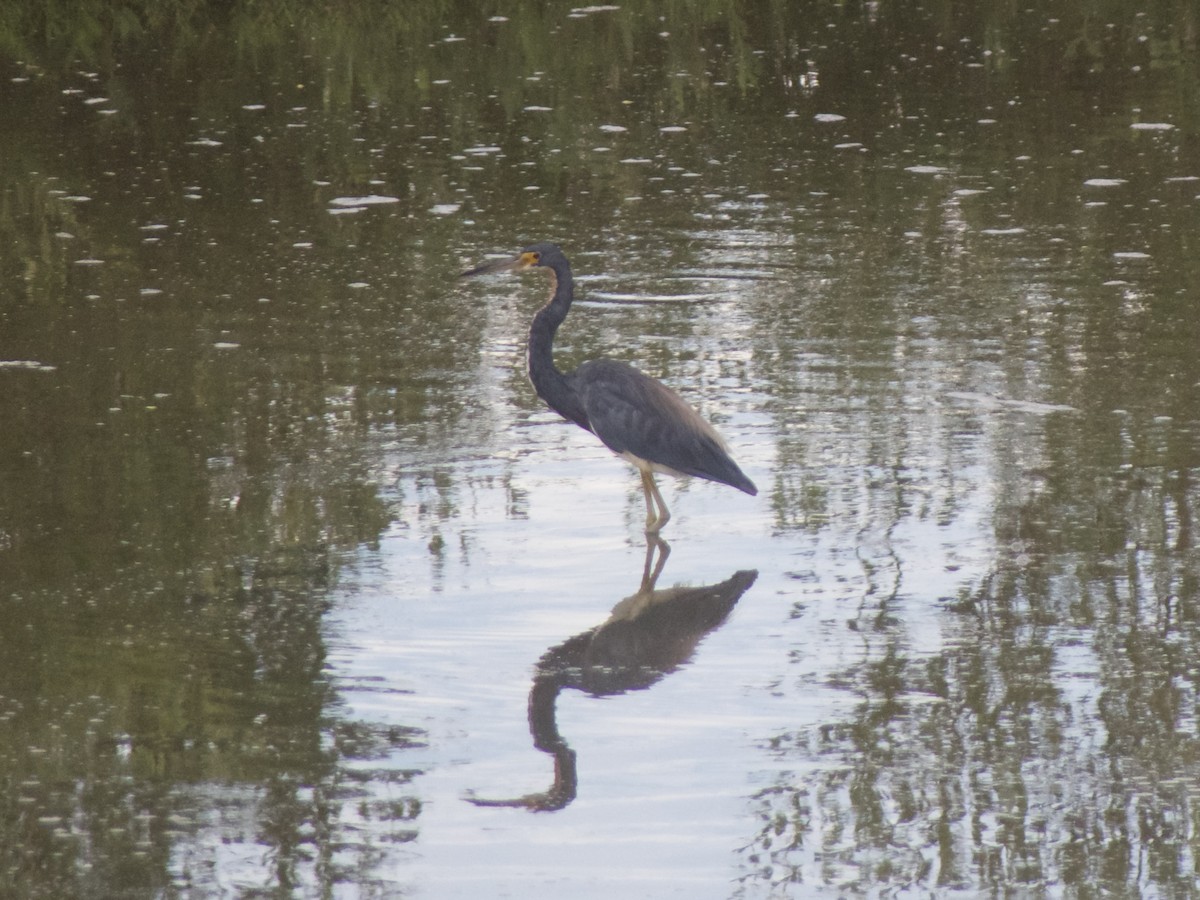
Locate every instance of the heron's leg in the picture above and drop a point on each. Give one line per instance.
(654, 523)
(647, 492)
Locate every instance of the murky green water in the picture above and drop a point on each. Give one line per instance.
(304, 593)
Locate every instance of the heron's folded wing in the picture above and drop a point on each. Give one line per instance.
(634, 414)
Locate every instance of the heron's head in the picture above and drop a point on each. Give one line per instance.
(544, 254)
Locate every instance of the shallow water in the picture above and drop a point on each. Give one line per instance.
(306, 594)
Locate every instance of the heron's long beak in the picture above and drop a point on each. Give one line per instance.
(516, 264)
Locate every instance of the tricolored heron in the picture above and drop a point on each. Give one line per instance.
(638, 418)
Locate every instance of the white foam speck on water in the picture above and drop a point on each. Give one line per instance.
(31, 365)
(990, 401)
(368, 200)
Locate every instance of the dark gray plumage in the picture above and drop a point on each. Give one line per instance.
(637, 417)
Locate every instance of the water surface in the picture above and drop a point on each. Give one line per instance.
(306, 594)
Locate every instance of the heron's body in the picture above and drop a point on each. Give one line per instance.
(637, 417)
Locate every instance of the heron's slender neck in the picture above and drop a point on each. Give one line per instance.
(551, 384)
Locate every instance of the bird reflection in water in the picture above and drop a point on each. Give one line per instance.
(649, 634)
